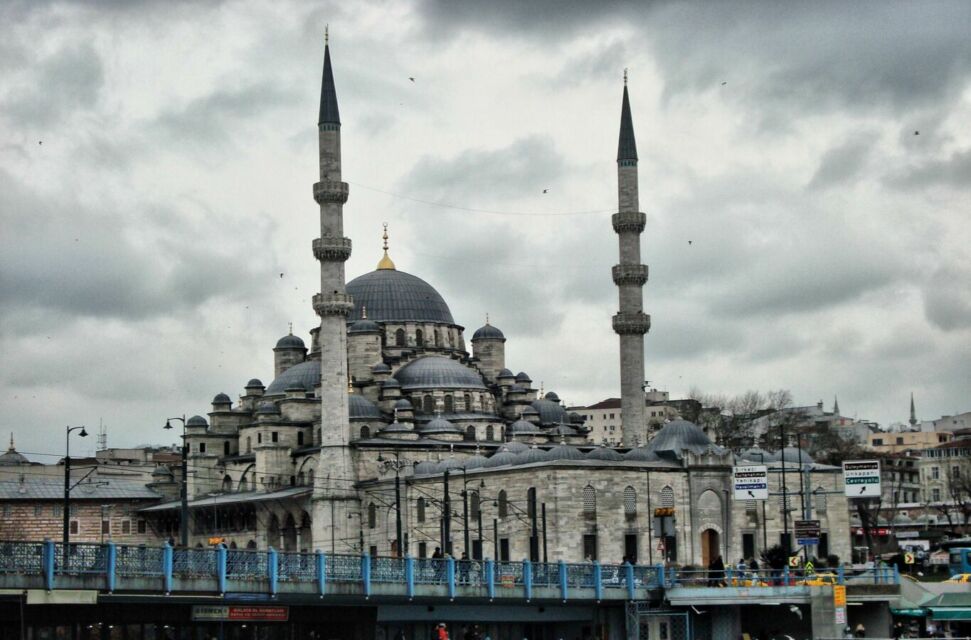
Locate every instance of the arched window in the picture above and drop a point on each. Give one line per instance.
(399, 338)
(227, 483)
(589, 502)
(420, 508)
(470, 433)
(667, 497)
(503, 506)
(244, 484)
(428, 404)
(449, 405)
(372, 516)
(300, 438)
(630, 502)
(474, 504)
(451, 339)
(531, 502)
(300, 479)
(419, 338)
(819, 499)
(226, 448)
(438, 338)
(468, 402)
(365, 432)
(249, 444)
(490, 433)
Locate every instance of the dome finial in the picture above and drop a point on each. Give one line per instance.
(364, 312)
(326, 34)
(487, 317)
(11, 442)
(385, 262)
(625, 75)
(291, 327)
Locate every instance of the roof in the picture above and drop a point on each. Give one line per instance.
(437, 372)
(626, 147)
(305, 375)
(488, 332)
(53, 489)
(609, 403)
(360, 407)
(678, 435)
(328, 94)
(234, 498)
(396, 296)
(290, 342)
(549, 412)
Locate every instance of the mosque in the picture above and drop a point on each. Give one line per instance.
(387, 435)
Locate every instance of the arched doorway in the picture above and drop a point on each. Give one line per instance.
(709, 546)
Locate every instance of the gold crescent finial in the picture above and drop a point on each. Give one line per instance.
(487, 317)
(625, 76)
(326, 34)
(385, 262)
(291, 327)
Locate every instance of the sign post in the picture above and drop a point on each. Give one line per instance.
(839, 603)
(861, 478)
(751, 482)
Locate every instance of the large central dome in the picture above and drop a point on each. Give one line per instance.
(395, 296)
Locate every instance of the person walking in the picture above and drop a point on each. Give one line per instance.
(442, 630)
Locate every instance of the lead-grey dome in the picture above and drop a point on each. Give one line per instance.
(757, 454)
(500, 459)
(437, 372)
(488, 332)
(551, 395)
(380, 368)
(221, 398)
(793, 455)
(522, 376)
(523, 427)
(533, 454)
(254, 383)
(506, 373)
(365, 325)
(196, 421)
(438, 425)
(603, 453)
(641, 454)
(514, 447)
(404, 404)
(565, 452)
(425, 467)
(394, 427)
(678, 435)
(290, 342)
(360, 407)
(304, 376)
(549, 412)
(395, 296)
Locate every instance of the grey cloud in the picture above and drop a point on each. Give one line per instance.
(68, 80)
(954, 171)
(947, 300)
(844, 163)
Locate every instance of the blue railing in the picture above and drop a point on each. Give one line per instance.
(221, 569)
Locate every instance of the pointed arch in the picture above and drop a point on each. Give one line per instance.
(420, 510)
(399, 338)
(590, 502)
(667, 497)
(419, 338)
(372, 516)
(630, 502)
(503, 504)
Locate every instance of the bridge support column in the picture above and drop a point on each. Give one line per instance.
(822, 612)
(490, 575)
(629, 578)
(450, 576)
(660, 575)
(527, 580)
(598, 585)
(366, 574)
(48, 559)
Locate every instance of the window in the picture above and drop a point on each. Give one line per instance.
(105, 526)
(438, 338)
(420, 508)
(823, 548)
(56, 510)
(75, 527)
(422, 549)
(785, 541)
(468, 402)
(470, 433)
(503, 506)
(748, 545)
(202, 447)
(667, 497)
(428, 404)
(142, 526)
(38, 510)
(590, 546)
(372, 550)
(936, 494)
(226, 448)
(300, 438)
(372, 516)
(955, 471)
(419, 338)
(504, 549)
(365, 432)
(474, 504)
(449, 404)
(630, 548)
(259, 438)
(249, 444)
(935, 473)
(900, 440)
(126, 526)
(589, 502)
(819, 496)
(490, 433)
(227, 484)
(275, 436)
(630, 503)
(399, 338)
(878, 442)
(531, 502)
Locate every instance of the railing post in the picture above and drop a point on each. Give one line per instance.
(366, 574)
(221, 557)
(629, 571)
(321, 572)
(598, 585)
(896, 574)
(528, 580)
(450, 576)
(48, 556)
(410, 576)
(659, 569)
(272, 569)
(168, 561)
(728, 576)
(111, 560)
(785, 576)
(564, 585)
(840, 575)
(490, 574)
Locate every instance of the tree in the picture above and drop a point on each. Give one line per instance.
(828, 446)
(730, 420)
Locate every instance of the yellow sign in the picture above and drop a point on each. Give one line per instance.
(794, 561)
(839, 595)
(216, 540)
(908, 558)
(664, 512)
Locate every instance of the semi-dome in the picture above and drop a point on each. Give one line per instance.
(437, 425)
(488, 332)
(365, 325)
(533, 454)
(395, 296)
(603, 453)
(268, 408)
(549, 412)
(565, 452)
(793, 455)
(196, 421)
(221, 398)
(437, 372)
(641, 454)
(523, 427)
(290, 342)
(514, 447)
(551, 395)
(679, 435)
(500, 459)
(304, 375)
(360, 407)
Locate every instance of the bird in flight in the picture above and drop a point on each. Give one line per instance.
(724, 83)
(916, 133)
(546, 190)
(689, 241)
(411, 78)
(281, 275)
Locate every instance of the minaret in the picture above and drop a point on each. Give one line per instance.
(913, 412)
(333, 495)
(836, 406)
(630, 323)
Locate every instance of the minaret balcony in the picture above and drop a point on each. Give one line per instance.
(631, 324)
(630, 274)
(332, 249)
(333, 304)
(330, 191)
(629, 221)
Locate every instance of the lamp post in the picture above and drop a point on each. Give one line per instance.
(785, 491)
(66, 534)
(184, 493)
(384, 466)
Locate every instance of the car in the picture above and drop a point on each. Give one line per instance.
(820, 580)
(959, 577)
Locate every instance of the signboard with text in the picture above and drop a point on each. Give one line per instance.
(839, 603)
(861, 478)
(807, 531)
(239, 613)
(751, 482)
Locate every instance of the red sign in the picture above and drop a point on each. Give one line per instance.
(240, 613)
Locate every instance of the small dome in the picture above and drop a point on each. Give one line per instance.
(360, 407)
(530, 411)
(522, 427)
(451, 463)
(221, 398)
(522, 376)
(394, 427)
(426, 467)
(549, 412)
(438, 425)
(474, 462)
(533, 454)
(12, 457)
(438, 372)
(267, 408)
(794, 455)
(196, 421)
(565, 452)
(254, 383)
(641, 454)
(551, 395)
(391, 383)
(678, 435)
(380, 368)
(562, 430)
(365, 325)
(487, 332)
(500, 459)
(515, 447)
(403, 404)
(603, 453)
(505, 373)
(757, 454)
(290, 342)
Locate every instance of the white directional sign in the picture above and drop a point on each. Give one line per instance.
(751, 483)
(861, 478)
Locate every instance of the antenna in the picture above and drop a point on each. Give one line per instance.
(102, 435)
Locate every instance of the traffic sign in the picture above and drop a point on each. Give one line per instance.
(751, 482)
(794, 561)
(840, 615)
(805, 542)
(908, 558)
(806, 528)
(839, 595)
(861, 478)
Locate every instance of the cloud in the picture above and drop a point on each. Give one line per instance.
(954, 172)
(66, 81)
(947, 300)
(844, 163)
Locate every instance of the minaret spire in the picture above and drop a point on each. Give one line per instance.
(385, 262)
(328, 94)
(913, 412)
(630, 323)
(836, 406)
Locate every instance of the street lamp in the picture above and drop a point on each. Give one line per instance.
(184, 493)
(66, 534)
(384, 466)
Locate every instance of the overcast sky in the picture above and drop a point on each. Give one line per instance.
(805, 169)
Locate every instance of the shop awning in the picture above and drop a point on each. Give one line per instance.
(950, 606)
